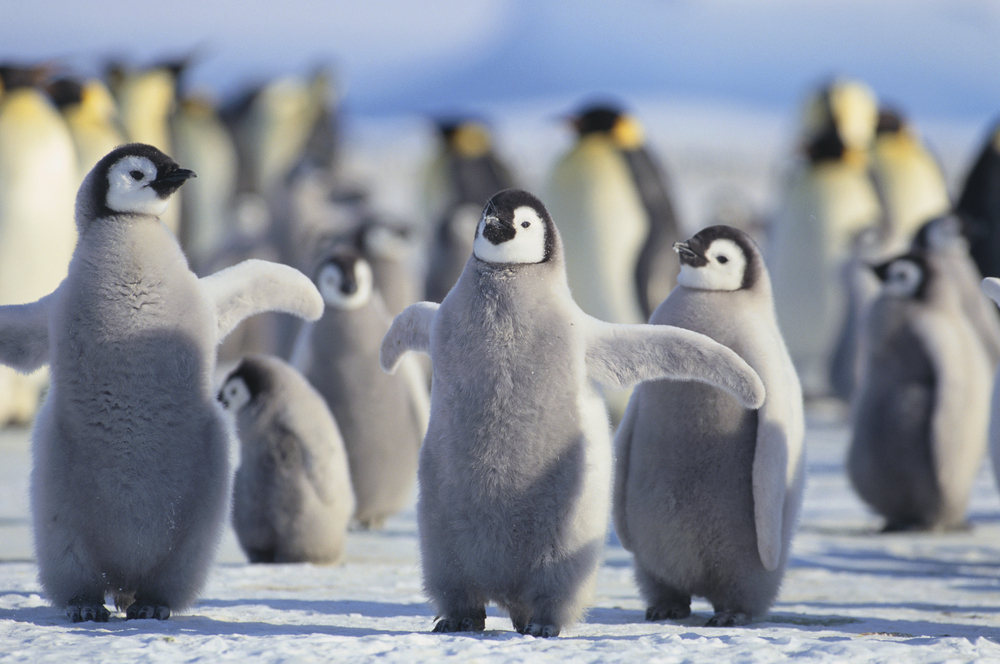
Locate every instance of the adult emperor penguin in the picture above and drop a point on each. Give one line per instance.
(706, 492)
(130, 473)
(464, 173)
(979, 206)
(515, 469)
(38, 178)
(92, 116)
(382, 418)
(620, 219)
(292, 495)
(921, 412)
(908, 179)
(829, 200)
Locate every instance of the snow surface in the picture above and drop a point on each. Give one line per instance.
(849, 595)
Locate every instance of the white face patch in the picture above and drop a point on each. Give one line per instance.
(234, 395)
(903, 278)
(331, 278)
(723, 272)
(527, 245)
(129, 190)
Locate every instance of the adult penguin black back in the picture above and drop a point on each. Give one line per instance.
(979, 206)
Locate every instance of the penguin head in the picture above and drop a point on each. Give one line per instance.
(904, 276)
(243, 385)
(515, 228)
(941, 234)
(609, 119)
(465, 138)
(345, 279)
(718, 258)
(135, 179)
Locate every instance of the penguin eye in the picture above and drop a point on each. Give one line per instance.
(525, 224)
(136, 175)
(723, 259)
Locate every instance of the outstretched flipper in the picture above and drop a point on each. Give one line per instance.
(255, 286)
(24, 334)
(410, 330)
(623, 355)
(991, 286)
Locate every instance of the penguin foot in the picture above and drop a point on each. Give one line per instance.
(144, 611)
(728, 619)
(473, 623)
(676, 612)
(537, 629)
(82, 612)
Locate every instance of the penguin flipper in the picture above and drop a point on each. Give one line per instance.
(770, 470)
(255, 286)
(410, 330)
(623, 355)
(991, 286)
(623, 449)
(24, 334)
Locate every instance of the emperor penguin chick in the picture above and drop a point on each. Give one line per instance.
(707, 492)
(516, 465)
(130, 475)
(921, 412)
(382, 418)
(292, 496)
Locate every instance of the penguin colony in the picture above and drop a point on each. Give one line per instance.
(863, 280)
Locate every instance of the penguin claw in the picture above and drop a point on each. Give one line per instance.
(147, 611)
(537, 629)
(87, 612)
(657, 613)
(466, 624)
(728, 619)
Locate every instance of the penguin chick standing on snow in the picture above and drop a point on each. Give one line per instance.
(707, 493)
(130, 472)
(515, 468)
(382, 418)
(922, 408)
(621, 224)
(991, 287)
(292, 496)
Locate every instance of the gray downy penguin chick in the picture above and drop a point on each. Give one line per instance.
(707, 492)
(382, 418)
(130, 473)
(292, 495)
(515, 470)
(921, 412)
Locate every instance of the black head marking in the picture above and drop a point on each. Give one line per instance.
(65, 92)
(345, 258)
(882, 271)
(169, 176)
(596, 119)
(254, 373)
(502, 206)
(693, 251)
(890, 121)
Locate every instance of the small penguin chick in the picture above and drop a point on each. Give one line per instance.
(904, 276)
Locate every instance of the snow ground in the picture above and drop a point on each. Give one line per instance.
(849, 595)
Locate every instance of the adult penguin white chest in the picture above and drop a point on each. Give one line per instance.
(130, 472)
(706, 492)
(515, 468)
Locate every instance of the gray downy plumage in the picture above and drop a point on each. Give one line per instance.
(515, 469)
(292, 494)
(920, 417)
(382, 418)
(130, 475)
(707, 492)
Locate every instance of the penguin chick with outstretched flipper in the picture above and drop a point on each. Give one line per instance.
(920, 415)
(382, 418)
(292, 495)
(515, 470)
(130, 474)
(707, 492)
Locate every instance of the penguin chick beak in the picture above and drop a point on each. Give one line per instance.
(687, 255)
(169, 182)
(221, 399)
(498, 230)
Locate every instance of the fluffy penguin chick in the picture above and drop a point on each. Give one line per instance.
(991, 286)
(706, 492)
(382, 418)
(922, 408)
(516, 465)
(292, 496)
(130, 474)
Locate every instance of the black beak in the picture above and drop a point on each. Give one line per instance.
(685, 252)
(169, 182)
(498, 230)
